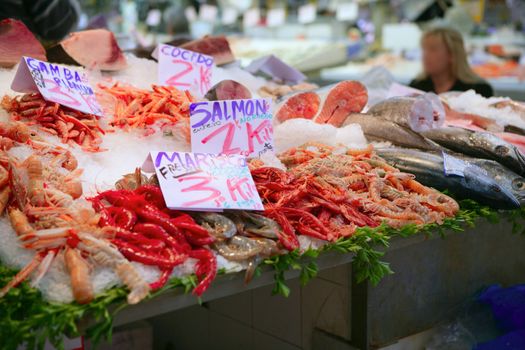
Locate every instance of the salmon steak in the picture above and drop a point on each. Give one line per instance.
(303, 105)
(343, 99)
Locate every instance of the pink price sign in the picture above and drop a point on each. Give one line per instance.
(232, 127)
(184, 69)
(56, 83)
(201, 181)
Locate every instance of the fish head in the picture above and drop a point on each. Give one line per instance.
(481, 182)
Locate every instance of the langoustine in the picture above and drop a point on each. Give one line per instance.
(69, 125)
(144, 230)
(138, 108)
(51, 222)
(328, 192)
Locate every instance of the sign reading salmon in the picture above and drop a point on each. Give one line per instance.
(232, 127)
(201, 181)
(184, 69)
(56, 83)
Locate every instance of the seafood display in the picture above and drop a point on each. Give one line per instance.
(480, 145)
(94, 49)
(419, 113)
(137, 108)
(42, 195)
(327, 194)
(69, 125)
(379, 130)
(429, 169)
(82, 218)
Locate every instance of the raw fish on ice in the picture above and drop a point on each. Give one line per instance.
(17, 41)
(420, 113)
(228, 90)
(342, 99)
(302, 105)
(93, 49)
(215, 46)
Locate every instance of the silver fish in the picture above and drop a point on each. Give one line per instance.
(379, 129)
(479, 145)
(419, 113)
(429, 170)
(502, 175)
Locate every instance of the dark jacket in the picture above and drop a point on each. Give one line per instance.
(48, 19)
(483, 88)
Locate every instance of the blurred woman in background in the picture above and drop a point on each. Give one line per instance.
(445, 65)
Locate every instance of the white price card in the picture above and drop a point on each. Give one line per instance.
(453, 165)
(184, 69)
(208, 13)
(347, 11)
(275, 17)
(201, 181)
(307, 13)
(56, 83)
(232, 127)
(251, 17)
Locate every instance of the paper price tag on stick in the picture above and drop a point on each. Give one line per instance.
(56, 83)
(232, 127)
(200, 181)
(453, 165)
(184, 69)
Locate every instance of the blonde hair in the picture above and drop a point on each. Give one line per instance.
(455, 46)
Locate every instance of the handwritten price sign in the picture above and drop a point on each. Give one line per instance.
(200, 181)
(184, 69)
(232, 127)
(56, 83)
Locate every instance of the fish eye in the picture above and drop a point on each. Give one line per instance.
(518, 184)
(502, 150)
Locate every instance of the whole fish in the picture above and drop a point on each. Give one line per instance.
(429, 170)
(502, 175)
(419, 113)
(379, 129)
(479, 145)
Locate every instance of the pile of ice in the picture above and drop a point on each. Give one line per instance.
(472, 103)
(296, 132)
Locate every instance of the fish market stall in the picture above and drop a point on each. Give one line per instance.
(128, 183)
(404, 71)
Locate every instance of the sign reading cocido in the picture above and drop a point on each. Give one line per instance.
(184, 69)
